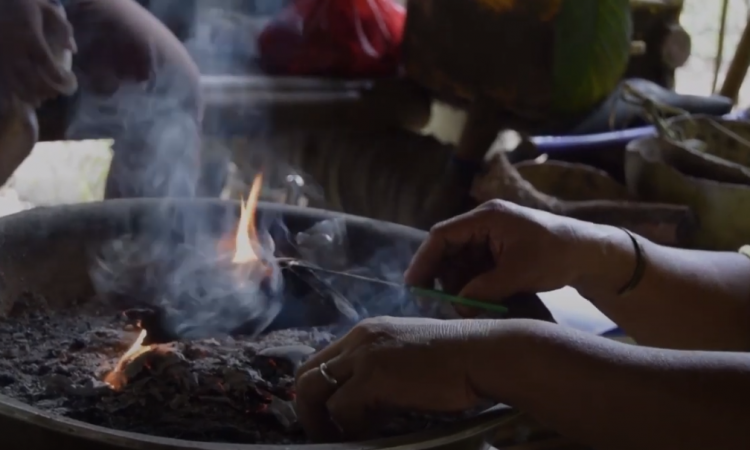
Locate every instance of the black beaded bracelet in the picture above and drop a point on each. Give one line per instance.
(640, 265)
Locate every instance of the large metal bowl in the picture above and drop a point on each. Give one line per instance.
(47, 252)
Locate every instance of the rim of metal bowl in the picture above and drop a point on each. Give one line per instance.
(469, 428)
(482, 423)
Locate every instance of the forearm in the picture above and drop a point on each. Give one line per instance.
(617, 396)
(686, 299)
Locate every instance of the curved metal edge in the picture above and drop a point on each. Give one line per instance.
(478, 426)
(264, 209)
(264, 83)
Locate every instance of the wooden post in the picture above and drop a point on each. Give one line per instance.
(738, 67)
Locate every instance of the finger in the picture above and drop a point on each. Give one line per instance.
(445, 236)
(350, 406)
(35, 85)
(491, 287)
(53, 26)
(351, 340)
(57, 28)
(20, 79)
(313, 392)
(323, 356)
(55, 78)
(513, 274)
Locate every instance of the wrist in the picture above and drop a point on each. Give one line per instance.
(501, 357)
(608, 261)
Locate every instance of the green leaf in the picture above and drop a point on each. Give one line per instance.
(592, 49)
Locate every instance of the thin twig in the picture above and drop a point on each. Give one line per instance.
(719, 58)
(654, 111)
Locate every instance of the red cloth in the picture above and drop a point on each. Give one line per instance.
(345, 38)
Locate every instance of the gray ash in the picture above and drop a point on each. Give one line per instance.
(234, 389)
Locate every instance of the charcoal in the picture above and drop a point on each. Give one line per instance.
(94, 388)
(294, 355)
(6, 379)
(283, 411)
(227, 389)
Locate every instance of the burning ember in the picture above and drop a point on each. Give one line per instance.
(115, 379)
(246, 254)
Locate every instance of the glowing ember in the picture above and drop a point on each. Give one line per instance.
(246, 254)
(246, 241)
(115, 378)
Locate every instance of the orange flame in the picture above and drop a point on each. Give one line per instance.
(246, 241)
(114, 378)
(134, 351)
(246, 252)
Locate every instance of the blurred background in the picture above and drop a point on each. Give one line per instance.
(65, 172)
(702, 20)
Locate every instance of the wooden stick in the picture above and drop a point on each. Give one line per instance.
(738, 67)
(719, 59)
(415, 290)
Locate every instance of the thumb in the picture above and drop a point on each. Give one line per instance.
(491, 287)
(57, 45)
(57, 31)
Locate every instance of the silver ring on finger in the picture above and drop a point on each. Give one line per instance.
(324, 371)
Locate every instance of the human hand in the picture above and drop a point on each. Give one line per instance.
(411, 364)
(500, 249)
(33, 36)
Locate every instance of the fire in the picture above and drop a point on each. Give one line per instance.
(134, 351)
(246, 240)
(115, 378)
(246, 253)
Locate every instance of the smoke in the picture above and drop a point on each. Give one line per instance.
(327, 245)
(175, 263)
(156, 134)
(194, 286)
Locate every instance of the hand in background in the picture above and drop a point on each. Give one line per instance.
(384, 364)
(33, 33)
(500, 249)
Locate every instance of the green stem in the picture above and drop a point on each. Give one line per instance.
(437, 295)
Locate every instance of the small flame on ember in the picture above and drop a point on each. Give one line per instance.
(134, 351)
(246, 253)
(115, 378)
(246, 241)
